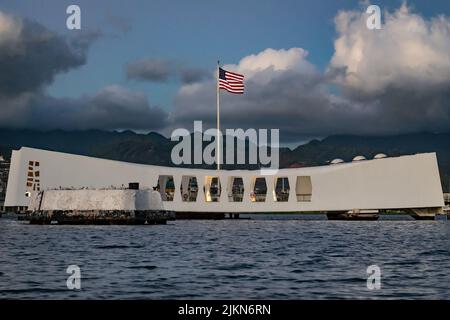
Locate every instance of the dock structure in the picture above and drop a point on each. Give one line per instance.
(409, 183)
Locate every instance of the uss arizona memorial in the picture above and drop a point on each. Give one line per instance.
(410, 183)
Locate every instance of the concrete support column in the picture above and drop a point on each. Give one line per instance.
(247, 189)
(184, 185)
(177, 185)
(270, 183)
(162, 181)
(223, 189)
(201, 196)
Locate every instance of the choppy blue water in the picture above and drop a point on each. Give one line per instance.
(268, 257)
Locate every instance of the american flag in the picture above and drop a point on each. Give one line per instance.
(230, 81)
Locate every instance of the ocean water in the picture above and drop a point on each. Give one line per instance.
(267, 257)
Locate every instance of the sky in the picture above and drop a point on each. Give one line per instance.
(312, 68)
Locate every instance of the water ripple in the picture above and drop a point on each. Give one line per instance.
(268, 257)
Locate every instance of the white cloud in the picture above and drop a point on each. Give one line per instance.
(265, 65)
(283, 90)
(409, 50)
(394, 80)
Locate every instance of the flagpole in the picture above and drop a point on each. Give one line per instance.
(218, 119)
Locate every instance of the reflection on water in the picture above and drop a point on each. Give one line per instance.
(270, 256)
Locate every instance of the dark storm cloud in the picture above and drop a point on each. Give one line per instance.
(32, 57)
(394, 80)
(150, 69)
(162, 70)
(191, 75)
(84, 39)
(406, 108)
(116, 107)
(302, 106)
(111, 108)
(296, 104)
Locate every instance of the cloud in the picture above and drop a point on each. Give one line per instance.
(150, 69)
(388, 81)
(162, 70)
(408, 51)
(394, 80)
(10, 31)
(264, 66)
(400, 74)
(122, 24)
(112, 107)
(116, 107)
(31, 55)
(283, 90)
(190, 75)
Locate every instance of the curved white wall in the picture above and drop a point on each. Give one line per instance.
(389, 183)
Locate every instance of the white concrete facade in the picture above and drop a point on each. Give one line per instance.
(93, 199)
(387, 183)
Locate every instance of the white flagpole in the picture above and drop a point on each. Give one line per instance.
(218, 119)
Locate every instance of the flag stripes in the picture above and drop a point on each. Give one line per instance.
(231, 81)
